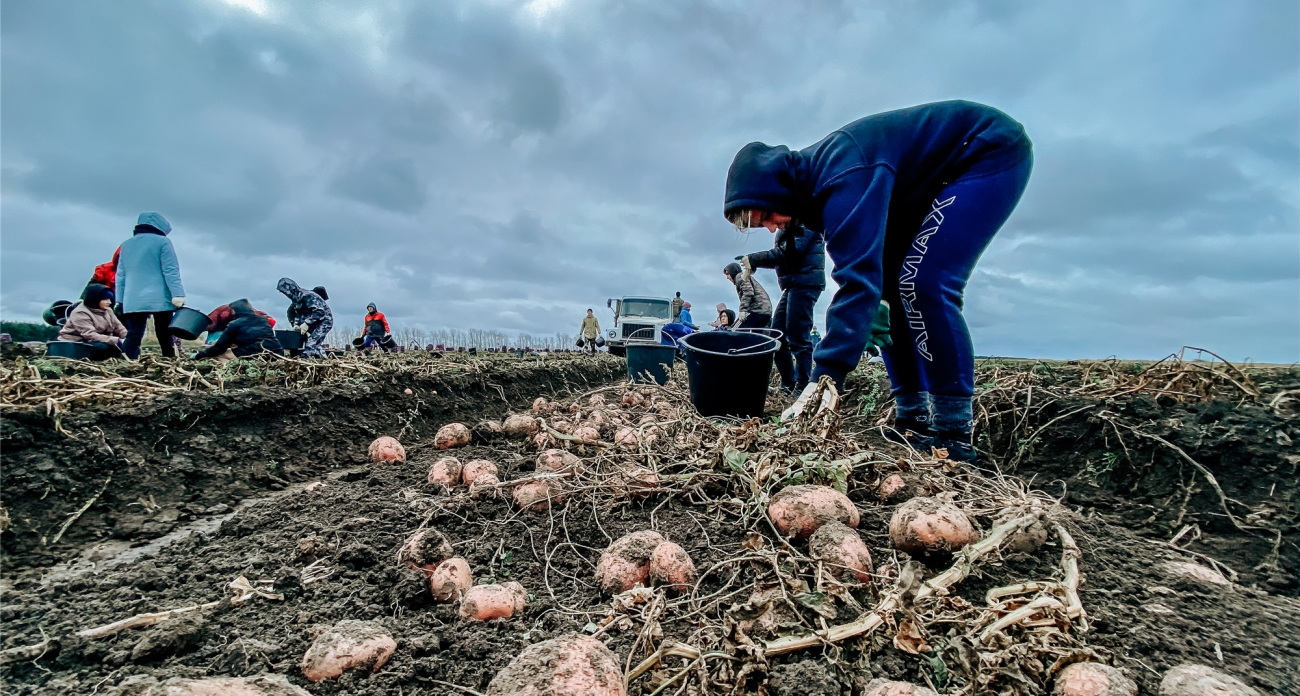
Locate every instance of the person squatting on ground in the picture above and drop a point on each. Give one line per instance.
(93, 323)
(589, 331)
(908, 201)
(247, 332)
(754, 310)
(376, 328)
(309, 315)
(799, 258)
(148, 284)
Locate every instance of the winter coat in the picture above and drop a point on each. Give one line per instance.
(377, 324)
(870, 179)
(148, 273)
(676, 307)
(590, 327)
(307, 307)
(248, 333)
(686, 319)
(753, 298)
(85, 325)
(799, 257)
(221, 316)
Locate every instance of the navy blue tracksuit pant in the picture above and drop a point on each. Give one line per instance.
(794, 317)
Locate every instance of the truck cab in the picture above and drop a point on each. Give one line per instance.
(636, 319)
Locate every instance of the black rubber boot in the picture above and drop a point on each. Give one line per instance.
(958, 445)
(915, 432)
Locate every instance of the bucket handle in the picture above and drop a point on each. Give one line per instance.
(772, 336)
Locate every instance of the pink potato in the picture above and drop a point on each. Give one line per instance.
(520, 426)
(840, 548)
(633, 399)
(924, 526)
(881, 687)
(570, 665)
(451, 435)
(671, 566)
(595, 419)
(445, 471)
(798, 511)
(543, 440)
(491, 427)
(892, 488)
(626, 563)
(347, 645)
(1092, 679)
(562, 426)
(586, 433)
(540, 406)
(475, 468)
(596, 400)
(260, 685)
(638, 481)
(626, 436)
(484, 602)
(537, 495)
(450, 579)
(387, 449)
(425, 550)
(558, 461)
(484, 486)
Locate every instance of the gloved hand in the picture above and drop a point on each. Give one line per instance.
(880, 327)
(178, 302)
(830, 400)
(747, 265)
(303, 329)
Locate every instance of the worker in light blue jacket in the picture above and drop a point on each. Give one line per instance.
(907, 200)
(148, 284)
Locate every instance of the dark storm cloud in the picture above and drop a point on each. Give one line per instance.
(506, 165)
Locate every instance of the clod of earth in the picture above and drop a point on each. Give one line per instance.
(840, 548)
(1092, 679)
(1027, 540)
(476, 468)
(671, 566)
(1194, 572)
(450, 579)
(565, 666)
(880, 687)
(927, 526)
(485, 602)
(451, 435)
(425, 550)
(445, 471)
(626, 563)
(798, 511)
(347, 645)
(520, 427)
(1199, 680)
(387, 449)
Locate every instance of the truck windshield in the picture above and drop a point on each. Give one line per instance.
(654, 309)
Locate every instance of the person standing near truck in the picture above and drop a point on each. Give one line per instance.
(675, 308)
(148, 284)
(799, 257)
(908, 200)
(590, 331)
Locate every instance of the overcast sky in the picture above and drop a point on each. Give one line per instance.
(506, 165)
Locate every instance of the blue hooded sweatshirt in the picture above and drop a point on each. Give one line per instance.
(148, 272)
(873, 177)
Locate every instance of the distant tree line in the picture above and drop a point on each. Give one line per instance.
(22, 331)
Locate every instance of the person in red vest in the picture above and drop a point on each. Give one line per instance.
(376, 329)
(105, 274)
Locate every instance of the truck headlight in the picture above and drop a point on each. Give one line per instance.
(612, 334)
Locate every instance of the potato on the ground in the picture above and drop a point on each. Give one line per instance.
(542, 406)
(485, 485)
(633, 399)
(670, 565)
(484, 602)
(520, 426)
(595, 419)
(425, 550)
(882, 687)
(586, 433)
(537, 495)
(570, 665)
(798, 511)
(562, 426)
(1092, 679)
(387, 449)
(596, 400)
(260, 685)
(626, 436)
(626, 563)
(924, 526)
(638, 481)
(491, 427)
(347, 645)
(840, 548)
(892, 488)
(558, 461)
(450, 579)
(451, 435)
(445, 471)
(475, 468)
(1199, 680)
(543, 440)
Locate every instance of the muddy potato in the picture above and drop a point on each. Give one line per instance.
(638, 481)
(558, 461)
(892, 488)
(1027, 540)
(475, 468)
(671, 566)
(520, 426)
(347, 645)
(882, 687)
(596, 400)
(595, 419)
(387, 449)
(798, 511)
(536, 495)
(648, 419)
(570, 665)
(451, 435)
(445, 471)
(563, 426)
(484, 602)
(650, 436)
(541, 406)
(491, 427)
(1092, 679)
(424, 550)
(587, 433)
(484, 486)
(626, 437)
(840, 548)
(450, 580)
(543, 440)
(923, 526)
(626, 563)
(1199, 680)
(632, 399)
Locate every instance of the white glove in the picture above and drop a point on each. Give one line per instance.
(749, 267)
(178, 302)
(303, 329)
(830, 399)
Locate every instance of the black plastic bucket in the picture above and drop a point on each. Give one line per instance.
(652, 358)
(68, 349)
(57, 312)
(729, 370)
(188, 323)
(289, 340)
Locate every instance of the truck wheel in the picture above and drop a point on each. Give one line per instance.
(618, 351)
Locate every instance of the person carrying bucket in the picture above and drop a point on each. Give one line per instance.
(148, 284)
(908, 200)
(799, 257)
(589, 331)
(309, 315)
(376, 328)
(755, 308)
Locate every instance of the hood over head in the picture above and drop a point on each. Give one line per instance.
(764, 177)
(734, 270)
(372, 307)
(242, 307)
(153, 220)
(96, 293)
(290, 289)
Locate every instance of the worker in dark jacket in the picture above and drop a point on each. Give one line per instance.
(799, 257)
(907, 200)
(247, 333)
(376, 329)
(309, 315)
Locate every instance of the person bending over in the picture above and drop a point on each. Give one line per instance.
(755, 308)
(248, 332)
(309, 315)
(907, 200)
(93, 323)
